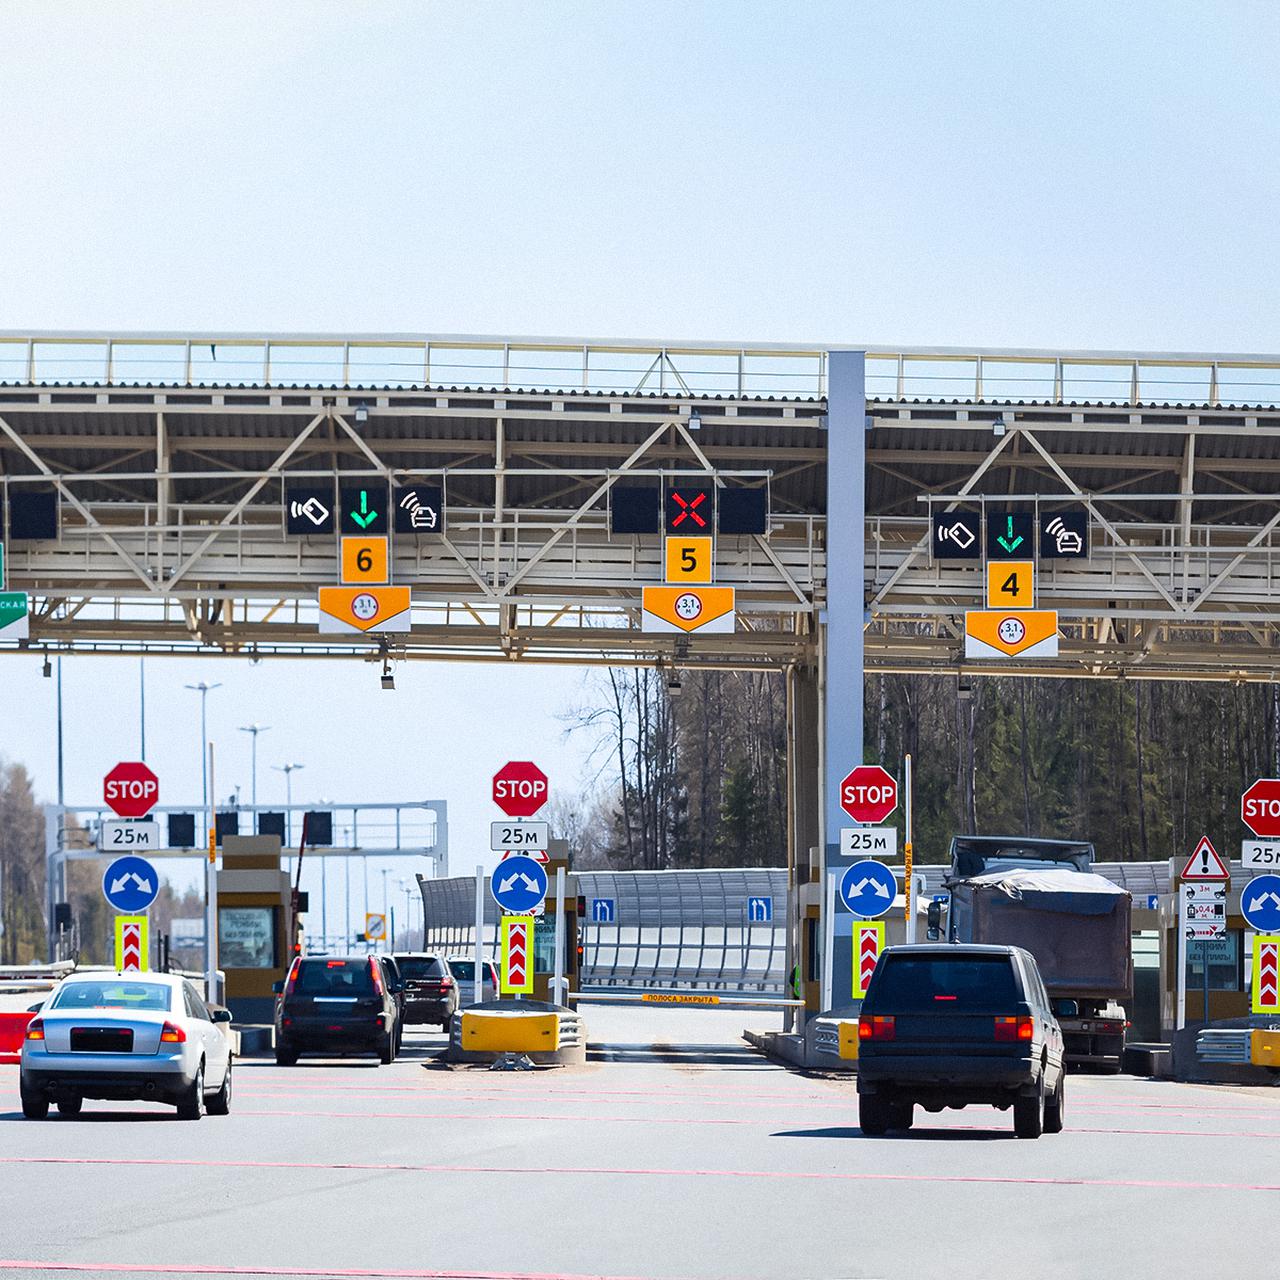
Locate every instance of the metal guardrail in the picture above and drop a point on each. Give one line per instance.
(788, 370)
(1231, 1045)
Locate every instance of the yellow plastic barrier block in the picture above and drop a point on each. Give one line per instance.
(503, 1031)
(1264, 1049)
(849, 1040)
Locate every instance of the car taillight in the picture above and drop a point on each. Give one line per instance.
(292, 980)
(1019, 1028)
(876, 1028)
(376, 973)
(171, 1033)
(35, 1029)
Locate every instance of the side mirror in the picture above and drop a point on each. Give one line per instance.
(397, 987)
(221, 1015)
(277, 988)
(935, 921)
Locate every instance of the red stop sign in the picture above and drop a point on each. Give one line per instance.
(520, 788)
(869, 794)
(131, 789)
(1260, 807)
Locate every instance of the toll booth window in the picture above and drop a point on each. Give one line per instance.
(1225, 970)
(246, 937)
(544, 945)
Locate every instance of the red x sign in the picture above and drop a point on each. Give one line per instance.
(688, 509)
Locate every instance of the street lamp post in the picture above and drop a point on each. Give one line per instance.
(211, 869)
(287, 770)
(254, 729)
(203, 689)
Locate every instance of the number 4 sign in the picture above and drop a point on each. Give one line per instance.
(1011, 584)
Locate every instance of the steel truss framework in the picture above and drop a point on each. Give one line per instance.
(172, 534)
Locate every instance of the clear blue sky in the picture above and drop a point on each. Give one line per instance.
(986, 174)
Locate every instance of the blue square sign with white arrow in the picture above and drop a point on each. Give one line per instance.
(518, 885)
(1260, 903)
(130, 884)
(868, 888)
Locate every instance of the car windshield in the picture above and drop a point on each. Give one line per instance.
(113, 994)
(420, 967)
(334, 978)
(916, 984)
(464, 969)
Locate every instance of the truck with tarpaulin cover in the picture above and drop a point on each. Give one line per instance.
(1044, 895)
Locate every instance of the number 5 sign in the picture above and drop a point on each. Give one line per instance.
(1011, 584)
(688, 559)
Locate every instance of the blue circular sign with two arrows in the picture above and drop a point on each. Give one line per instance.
(1260, 903)
(518, 885)
(868, 888)
(130, 884)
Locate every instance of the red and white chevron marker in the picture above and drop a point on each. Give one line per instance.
(517, 949)
(1266, 974)
(131, 943)
(868, 942)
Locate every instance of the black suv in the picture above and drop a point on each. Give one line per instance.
(948, 1025)
(431, 993)
(336, 1004)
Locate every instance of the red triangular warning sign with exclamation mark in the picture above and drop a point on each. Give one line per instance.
(1204, 863)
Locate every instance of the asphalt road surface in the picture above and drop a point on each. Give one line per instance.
(676, 1152)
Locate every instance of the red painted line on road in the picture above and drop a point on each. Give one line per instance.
(201, 1269)
(595, 1171)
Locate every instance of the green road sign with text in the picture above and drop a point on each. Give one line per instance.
(13, 615)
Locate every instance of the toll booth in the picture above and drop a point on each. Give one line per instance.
(1228, 969)
(253, 924)
(544, 934)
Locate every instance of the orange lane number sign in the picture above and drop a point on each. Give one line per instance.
(1011, 584)
(688, 559)
(365, 560)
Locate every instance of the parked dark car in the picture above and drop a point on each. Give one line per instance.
(431, 991)
(395, 984)
(950, 1025)
(336, 1004)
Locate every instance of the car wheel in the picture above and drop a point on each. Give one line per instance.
(191, 1105)
(874, 1114)
(286, 1054)
(70, 1106)
(35, 1106)
(220, 1103)
(901, 1115)
(1028, 1112)
(1053, 1109)
(387, 1050)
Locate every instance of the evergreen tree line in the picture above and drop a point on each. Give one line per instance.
(1141, 768)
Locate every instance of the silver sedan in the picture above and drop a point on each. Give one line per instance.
(147, 1036)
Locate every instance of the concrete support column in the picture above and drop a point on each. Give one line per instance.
(841, 622)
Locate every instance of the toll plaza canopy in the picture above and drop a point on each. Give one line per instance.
(157, 497)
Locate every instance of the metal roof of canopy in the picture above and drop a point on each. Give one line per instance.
(173, 542)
